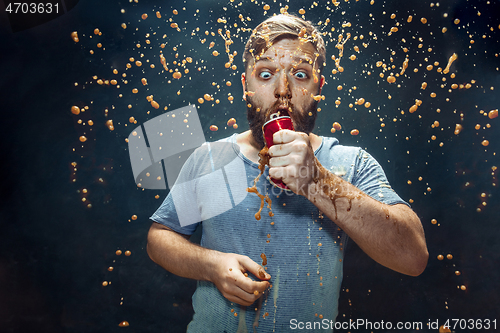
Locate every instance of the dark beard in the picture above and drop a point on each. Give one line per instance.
(302, 122)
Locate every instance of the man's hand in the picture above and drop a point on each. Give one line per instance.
(292, 160)
(229, 277)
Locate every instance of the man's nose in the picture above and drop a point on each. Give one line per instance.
(282, 89)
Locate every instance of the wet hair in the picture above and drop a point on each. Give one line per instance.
(283, 26)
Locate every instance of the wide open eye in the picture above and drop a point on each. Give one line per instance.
(301, 75)
(265, 74)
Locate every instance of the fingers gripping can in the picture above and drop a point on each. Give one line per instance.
(272, 126)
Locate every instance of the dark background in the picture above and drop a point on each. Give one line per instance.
(55, 250)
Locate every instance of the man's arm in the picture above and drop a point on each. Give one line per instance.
(175, 253)
(392, 235)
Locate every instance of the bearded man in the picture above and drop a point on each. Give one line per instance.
(335, 193)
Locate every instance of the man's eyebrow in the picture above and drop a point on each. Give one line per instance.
(264, 59)
(298, 59)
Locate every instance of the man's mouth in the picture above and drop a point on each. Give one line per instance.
(283, 110)
(284, 107)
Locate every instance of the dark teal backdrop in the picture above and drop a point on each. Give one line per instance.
(55, 250)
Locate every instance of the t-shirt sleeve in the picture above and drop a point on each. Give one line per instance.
(180, 205)
(166, 215)
(370, 178)
(201, 190)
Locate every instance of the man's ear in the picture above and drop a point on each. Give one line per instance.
(244, 86)
(321, 83)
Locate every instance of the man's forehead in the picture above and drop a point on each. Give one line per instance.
(293, 46)
(292, 49)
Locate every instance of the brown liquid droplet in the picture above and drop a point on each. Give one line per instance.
(263, 160)
(264, 260)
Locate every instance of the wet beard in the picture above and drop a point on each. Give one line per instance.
(302, 122)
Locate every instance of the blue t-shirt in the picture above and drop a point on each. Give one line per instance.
(304, 249)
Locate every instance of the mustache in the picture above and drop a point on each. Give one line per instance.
(303, 121)
(279, 106)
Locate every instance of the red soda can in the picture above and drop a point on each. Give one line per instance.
(269, 128)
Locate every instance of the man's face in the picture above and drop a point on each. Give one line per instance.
(284, 80)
